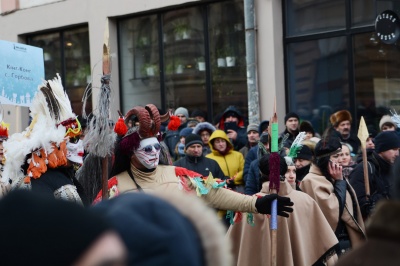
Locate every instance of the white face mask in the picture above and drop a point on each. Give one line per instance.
(75, 152)
(148, 152)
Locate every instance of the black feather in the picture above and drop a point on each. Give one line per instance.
(52, 103)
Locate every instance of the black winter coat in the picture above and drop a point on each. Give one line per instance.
(201, 165)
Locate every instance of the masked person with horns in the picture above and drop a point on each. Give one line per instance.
(137, 168)
(40, 158)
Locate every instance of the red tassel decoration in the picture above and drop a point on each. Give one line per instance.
(120, 127)
(174, 123)
(274, 171)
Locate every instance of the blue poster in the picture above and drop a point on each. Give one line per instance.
(21, 72)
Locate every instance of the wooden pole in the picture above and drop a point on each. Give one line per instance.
(106, 71)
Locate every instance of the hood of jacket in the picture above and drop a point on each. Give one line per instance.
(203, 126)
(219, 134)
(231, 109)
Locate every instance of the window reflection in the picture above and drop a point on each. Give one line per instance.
(228, 56)
(377, 78)
(67, 53)
(139, 68)
(313, 16)
(184, 58)
(318, 82)
(184, 62)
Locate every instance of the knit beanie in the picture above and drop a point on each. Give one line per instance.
(290, 115)
(263, 126)
(252, 127)
(192, 139)
(306, 127)
(264, 165)
(386, 119)
(40, 230)
(200, 113)
(182, 111)
(185, 132)
(386, 140)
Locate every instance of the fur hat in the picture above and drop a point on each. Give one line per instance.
(386, 119)
(182, 111)
(386, 140)
(327, 146)
(290, 115)
(252, 127)
(192, 139)
(339, 117)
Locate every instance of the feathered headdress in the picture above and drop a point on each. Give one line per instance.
(295, 148)
(52, 120)
(395, 117)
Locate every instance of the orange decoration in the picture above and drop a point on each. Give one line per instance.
(37, 165)
(120, 127)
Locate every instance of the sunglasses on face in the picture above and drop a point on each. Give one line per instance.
(149, 148)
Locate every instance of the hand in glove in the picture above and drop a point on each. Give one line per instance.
(368, 206)
(230, 183)
(263, 205)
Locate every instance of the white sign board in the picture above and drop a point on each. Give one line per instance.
(21, 71)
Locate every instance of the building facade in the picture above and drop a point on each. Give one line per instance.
(313, 57)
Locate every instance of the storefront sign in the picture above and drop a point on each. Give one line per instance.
(387, 26)
(21, 71)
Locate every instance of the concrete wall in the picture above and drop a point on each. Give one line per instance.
(96, 13)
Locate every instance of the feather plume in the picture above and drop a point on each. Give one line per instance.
(395, 117)
(296, 145)
(100, 138)
(49, 107)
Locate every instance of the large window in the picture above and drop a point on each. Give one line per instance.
(192, 57)
(336, 61)
(67, 52)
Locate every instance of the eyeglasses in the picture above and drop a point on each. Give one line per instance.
(149, 148)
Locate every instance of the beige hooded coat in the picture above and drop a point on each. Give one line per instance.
(303, 238)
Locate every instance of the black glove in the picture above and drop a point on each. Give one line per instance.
(367, 207)
(230, 183)
(263, 205)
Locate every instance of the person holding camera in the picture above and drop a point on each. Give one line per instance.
(232, 122)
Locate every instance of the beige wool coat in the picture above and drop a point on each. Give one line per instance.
(303, 238)
(322, 191)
